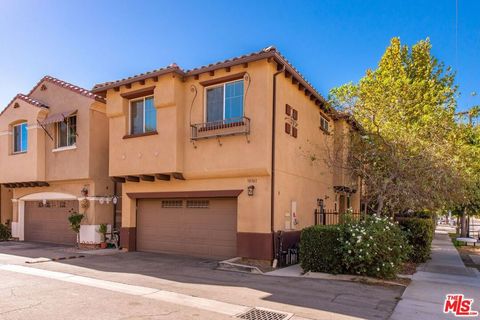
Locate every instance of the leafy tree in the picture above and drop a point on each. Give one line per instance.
(406, 148)
(75, 220)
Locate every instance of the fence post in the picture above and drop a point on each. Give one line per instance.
(324, 216)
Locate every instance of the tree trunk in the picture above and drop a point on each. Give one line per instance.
(379, 204)
(463, 224)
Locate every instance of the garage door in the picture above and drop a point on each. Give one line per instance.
(49, 223)
(197, 227)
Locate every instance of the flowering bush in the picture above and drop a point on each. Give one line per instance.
(374, 246)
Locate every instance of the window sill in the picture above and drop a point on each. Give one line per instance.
(65, 148)
(19, 152)
(129, 136)
(327, 132)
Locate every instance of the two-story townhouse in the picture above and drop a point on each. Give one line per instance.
(216, 160)
(54, 161)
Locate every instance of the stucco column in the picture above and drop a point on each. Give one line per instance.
(21, 220)
(129, 219)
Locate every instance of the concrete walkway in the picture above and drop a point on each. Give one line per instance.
(444, 274)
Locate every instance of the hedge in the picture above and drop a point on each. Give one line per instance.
(4, 232)
(419, 233)
(318, 246)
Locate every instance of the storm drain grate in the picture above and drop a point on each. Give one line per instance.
(264, 314)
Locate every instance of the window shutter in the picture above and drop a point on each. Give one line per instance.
(294, 132)
(294, 114)
(287, 128)
(288, 110)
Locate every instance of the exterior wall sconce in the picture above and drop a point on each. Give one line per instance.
(114, 199)
(251, 188)
(319, 202)
(44, 201)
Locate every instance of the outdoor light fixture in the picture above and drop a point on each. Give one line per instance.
(319, 202)
(84, 191)
(101, 200)
(114, 199)
(44, 201)
(251, 188)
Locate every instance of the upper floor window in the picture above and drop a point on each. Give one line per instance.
(20, 138)
(67, 132)
(323, 123)
(143, 116)
(225, 101)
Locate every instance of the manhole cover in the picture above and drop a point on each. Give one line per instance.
(264, 314)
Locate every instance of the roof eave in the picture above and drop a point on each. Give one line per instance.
(100, 88)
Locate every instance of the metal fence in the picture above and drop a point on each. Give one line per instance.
(332, 217)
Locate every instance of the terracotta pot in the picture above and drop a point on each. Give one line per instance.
(103, 245)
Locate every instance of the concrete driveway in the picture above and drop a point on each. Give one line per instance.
(193, 277)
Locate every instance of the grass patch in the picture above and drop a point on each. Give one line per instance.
(453, 236)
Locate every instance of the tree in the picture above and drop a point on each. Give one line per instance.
(75, 220)
(469, 162)
(405, 151)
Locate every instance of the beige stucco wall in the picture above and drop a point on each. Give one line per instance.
(232, 162)
(171, 149)
(302, 172)
(29, 166)
(66, 171)
(6, 209)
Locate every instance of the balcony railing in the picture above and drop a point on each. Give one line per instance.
(215, 129)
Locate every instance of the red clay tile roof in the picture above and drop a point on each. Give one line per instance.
(150, 74)
(27, 99)
(69, 86)
(269, 52)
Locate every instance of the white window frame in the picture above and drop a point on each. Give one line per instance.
(322, 117)
(223, 84)
(21, 138)
(130, 114)
(68, 134)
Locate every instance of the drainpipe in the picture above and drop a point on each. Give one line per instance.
(114, 224)
(272, 186)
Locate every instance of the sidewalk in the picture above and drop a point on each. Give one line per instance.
(445, 273)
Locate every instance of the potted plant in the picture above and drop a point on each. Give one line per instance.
(102, 229)
(75, 220)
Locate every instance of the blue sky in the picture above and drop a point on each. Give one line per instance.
(330, 42)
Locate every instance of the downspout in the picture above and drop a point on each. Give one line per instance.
(114, 224)
(272, 186)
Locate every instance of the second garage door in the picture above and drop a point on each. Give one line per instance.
(197, 227)
(49, 222)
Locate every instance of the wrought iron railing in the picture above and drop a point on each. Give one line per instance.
(330, 217)
(227, 127)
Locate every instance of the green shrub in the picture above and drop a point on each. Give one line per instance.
(318, 249)
(374, 247)
(419, 233)
(4, 232)
(75, 220)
